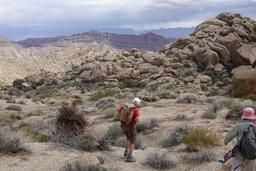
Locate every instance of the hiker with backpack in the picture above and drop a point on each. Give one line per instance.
(244, 153)
(129, 115)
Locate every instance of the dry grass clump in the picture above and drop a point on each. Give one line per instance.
(113, 133)
(146, 125)
(190, 98)
(200, 138)
(203, 155)
(121, 142)
(182, 117)
(86, 142)
(14, 108)
(77, 166)
(103, 144)
(160, 159)
(70, 121)
(175, 136)
(11, 143)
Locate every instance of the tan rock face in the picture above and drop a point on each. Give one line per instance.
(227, 39)
(244, 81)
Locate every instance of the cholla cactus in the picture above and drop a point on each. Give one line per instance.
(70, 121)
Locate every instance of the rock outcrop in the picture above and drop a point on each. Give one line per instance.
(229, 39)
(244, 81)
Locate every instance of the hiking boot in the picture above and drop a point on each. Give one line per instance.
(130, 159)
(126, 152)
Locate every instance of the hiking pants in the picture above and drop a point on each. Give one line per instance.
(129, 131)
(246, 165)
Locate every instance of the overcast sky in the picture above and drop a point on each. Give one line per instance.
(136, 14)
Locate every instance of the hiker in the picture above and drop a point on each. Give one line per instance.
(129, 116)
(239, 162)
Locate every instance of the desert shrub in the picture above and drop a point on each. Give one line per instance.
(16, 116)
(86, 142)
(230, 103)
(108, 92)
(109, 113)
(46, 91)
(203, 155)
(149, 124)
(187, 98)
(251, 97)
(70, 121)
(149, 98)
(113, 133)
(182, 117)
(209, 114)
(235, 113)
(121, 142)
(40, 138)
(35, 113)
(236, 110)
(213, 92)
(167, 95)
(175, 136)
(11, 143)
(77, 166)
(213, 110)
(103, 144)
(22, 102)
(217, 105)
(14, 108)
(106, 103)
(78, 100)
(160, 159)
(200, 138)
(4, 121)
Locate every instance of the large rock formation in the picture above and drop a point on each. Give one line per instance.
(229, 39)
(244, 81)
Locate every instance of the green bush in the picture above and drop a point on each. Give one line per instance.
(200, 138)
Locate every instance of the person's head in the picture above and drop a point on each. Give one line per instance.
(248, 114)
(136, 101)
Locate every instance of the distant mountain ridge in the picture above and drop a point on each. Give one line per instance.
(22, 32)
(148, 41)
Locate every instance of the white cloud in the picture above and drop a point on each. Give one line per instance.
(139, 13)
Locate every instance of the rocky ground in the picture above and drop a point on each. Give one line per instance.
(52, 156)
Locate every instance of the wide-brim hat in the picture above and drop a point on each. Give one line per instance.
(249, 114)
